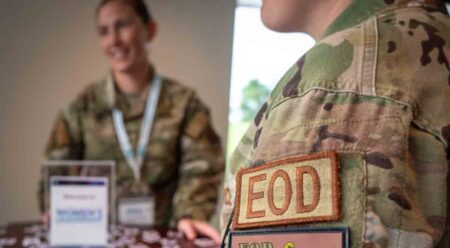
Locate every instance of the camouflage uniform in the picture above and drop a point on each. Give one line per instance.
(375, 89)
(184, 162)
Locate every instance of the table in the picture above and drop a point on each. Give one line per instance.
(33, 234)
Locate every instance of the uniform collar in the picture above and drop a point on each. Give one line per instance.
(104, 95)
(360, 10)
(108, 92)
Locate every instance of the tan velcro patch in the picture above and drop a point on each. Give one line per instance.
(289, 191)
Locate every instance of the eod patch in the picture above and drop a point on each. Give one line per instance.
(293, 190)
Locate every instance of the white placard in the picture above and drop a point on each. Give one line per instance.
(78, 211)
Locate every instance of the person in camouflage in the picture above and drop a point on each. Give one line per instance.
(375, 89)
(183, 163)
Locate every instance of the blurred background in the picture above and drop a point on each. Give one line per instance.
(260, 58)
(50, 52)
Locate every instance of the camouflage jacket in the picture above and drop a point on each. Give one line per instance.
(184, 161)
(376, 90)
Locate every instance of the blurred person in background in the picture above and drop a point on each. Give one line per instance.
(156, 130)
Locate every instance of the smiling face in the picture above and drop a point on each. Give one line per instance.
(123, 36)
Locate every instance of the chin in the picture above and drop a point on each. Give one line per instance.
(277, 27)
(120, 68)
(272, 24)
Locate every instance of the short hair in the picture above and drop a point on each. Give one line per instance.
(138, 6)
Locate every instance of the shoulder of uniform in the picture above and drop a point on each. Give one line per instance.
(412, 24)
(174, 87)
(413, 64)
(322, 66)
(177, 93)
(412, 53)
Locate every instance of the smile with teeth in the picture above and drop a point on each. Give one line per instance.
(119, 54)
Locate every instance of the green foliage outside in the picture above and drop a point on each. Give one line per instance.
(254, 94)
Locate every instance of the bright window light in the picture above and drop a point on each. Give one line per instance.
(260, 58)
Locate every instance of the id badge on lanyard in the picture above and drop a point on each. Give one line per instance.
(139, 210)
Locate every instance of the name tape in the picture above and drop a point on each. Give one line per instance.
(290, 238)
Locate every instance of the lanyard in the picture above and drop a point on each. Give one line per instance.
(135, 160)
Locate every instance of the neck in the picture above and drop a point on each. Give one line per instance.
(317, 24)
(134, 81)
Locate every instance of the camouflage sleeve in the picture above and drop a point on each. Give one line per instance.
(201, 167)
(64, 144)
(240, 158)
(426, 154)
(445, 240)
(428, 158)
